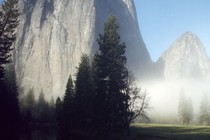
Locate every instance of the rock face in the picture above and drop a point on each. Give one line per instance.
(186, 59)
(53, 34)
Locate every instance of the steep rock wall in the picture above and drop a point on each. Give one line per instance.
(53, 34)
(186, 59)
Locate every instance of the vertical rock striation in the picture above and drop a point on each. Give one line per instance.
(186, 59)
(53, 34)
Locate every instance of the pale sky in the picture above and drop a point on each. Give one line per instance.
(163, 21)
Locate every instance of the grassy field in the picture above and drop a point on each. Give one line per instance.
(170, 132)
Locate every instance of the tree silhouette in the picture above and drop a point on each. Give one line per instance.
(204, 111)
(85, 93)
(9, 20)
(111, 100)
(66, 114)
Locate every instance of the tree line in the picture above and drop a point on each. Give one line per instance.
(103, 100)
(186, 113)
(36, 111)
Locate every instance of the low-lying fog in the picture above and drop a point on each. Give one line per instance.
(165, 96)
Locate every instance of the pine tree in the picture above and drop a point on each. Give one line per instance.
(67, 114)
(52, 109)
(41, 100)
(182, 107)
(189, 111)
(111, 102)
(42, 108)
(58, 109)
(185, 109)
(30, 106)
(12, 93)
(9, 20)
(52, 102)
(204, 111)
(85, 93)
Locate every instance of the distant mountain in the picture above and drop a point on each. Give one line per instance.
(53, 34)
(186, 59)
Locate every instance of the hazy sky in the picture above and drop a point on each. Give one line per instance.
(163, 21)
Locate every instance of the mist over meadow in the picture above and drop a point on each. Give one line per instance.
(182, 71)
(165, 96)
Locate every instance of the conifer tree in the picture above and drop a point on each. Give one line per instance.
(204, 116)
(52, 102)
(30, 106)
(12, 93)
(67, 114)
(85, 93)
(185, 109)
(65, 111)
(52, 109)
(58, 109)
(111, 103)
(41, 99)
(42, 108)
(9, 20)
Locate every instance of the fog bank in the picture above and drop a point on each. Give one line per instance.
(165, 97)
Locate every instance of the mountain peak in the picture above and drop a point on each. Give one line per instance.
(189, 37)
(188, 34)
(186, 58)
(187, 42)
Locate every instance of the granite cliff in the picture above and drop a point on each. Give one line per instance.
(53, 34)
(186, 59)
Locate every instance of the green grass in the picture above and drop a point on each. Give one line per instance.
(170, 132)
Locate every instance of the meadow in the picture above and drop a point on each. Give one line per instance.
(170, 132)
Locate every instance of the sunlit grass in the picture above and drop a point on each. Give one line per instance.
(164, 131)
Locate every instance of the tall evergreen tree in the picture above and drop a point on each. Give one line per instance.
(41, 100)
(204, 116)
(52, 109)
(12, 93)
(185, 109)
(30, 106)
(66, 118)
(52, 102)
(42, 108)
(182, 107)
(85, 93)
(9, 20)
(30, 99)
(58, 109)
(189, 113)
(111, 103)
